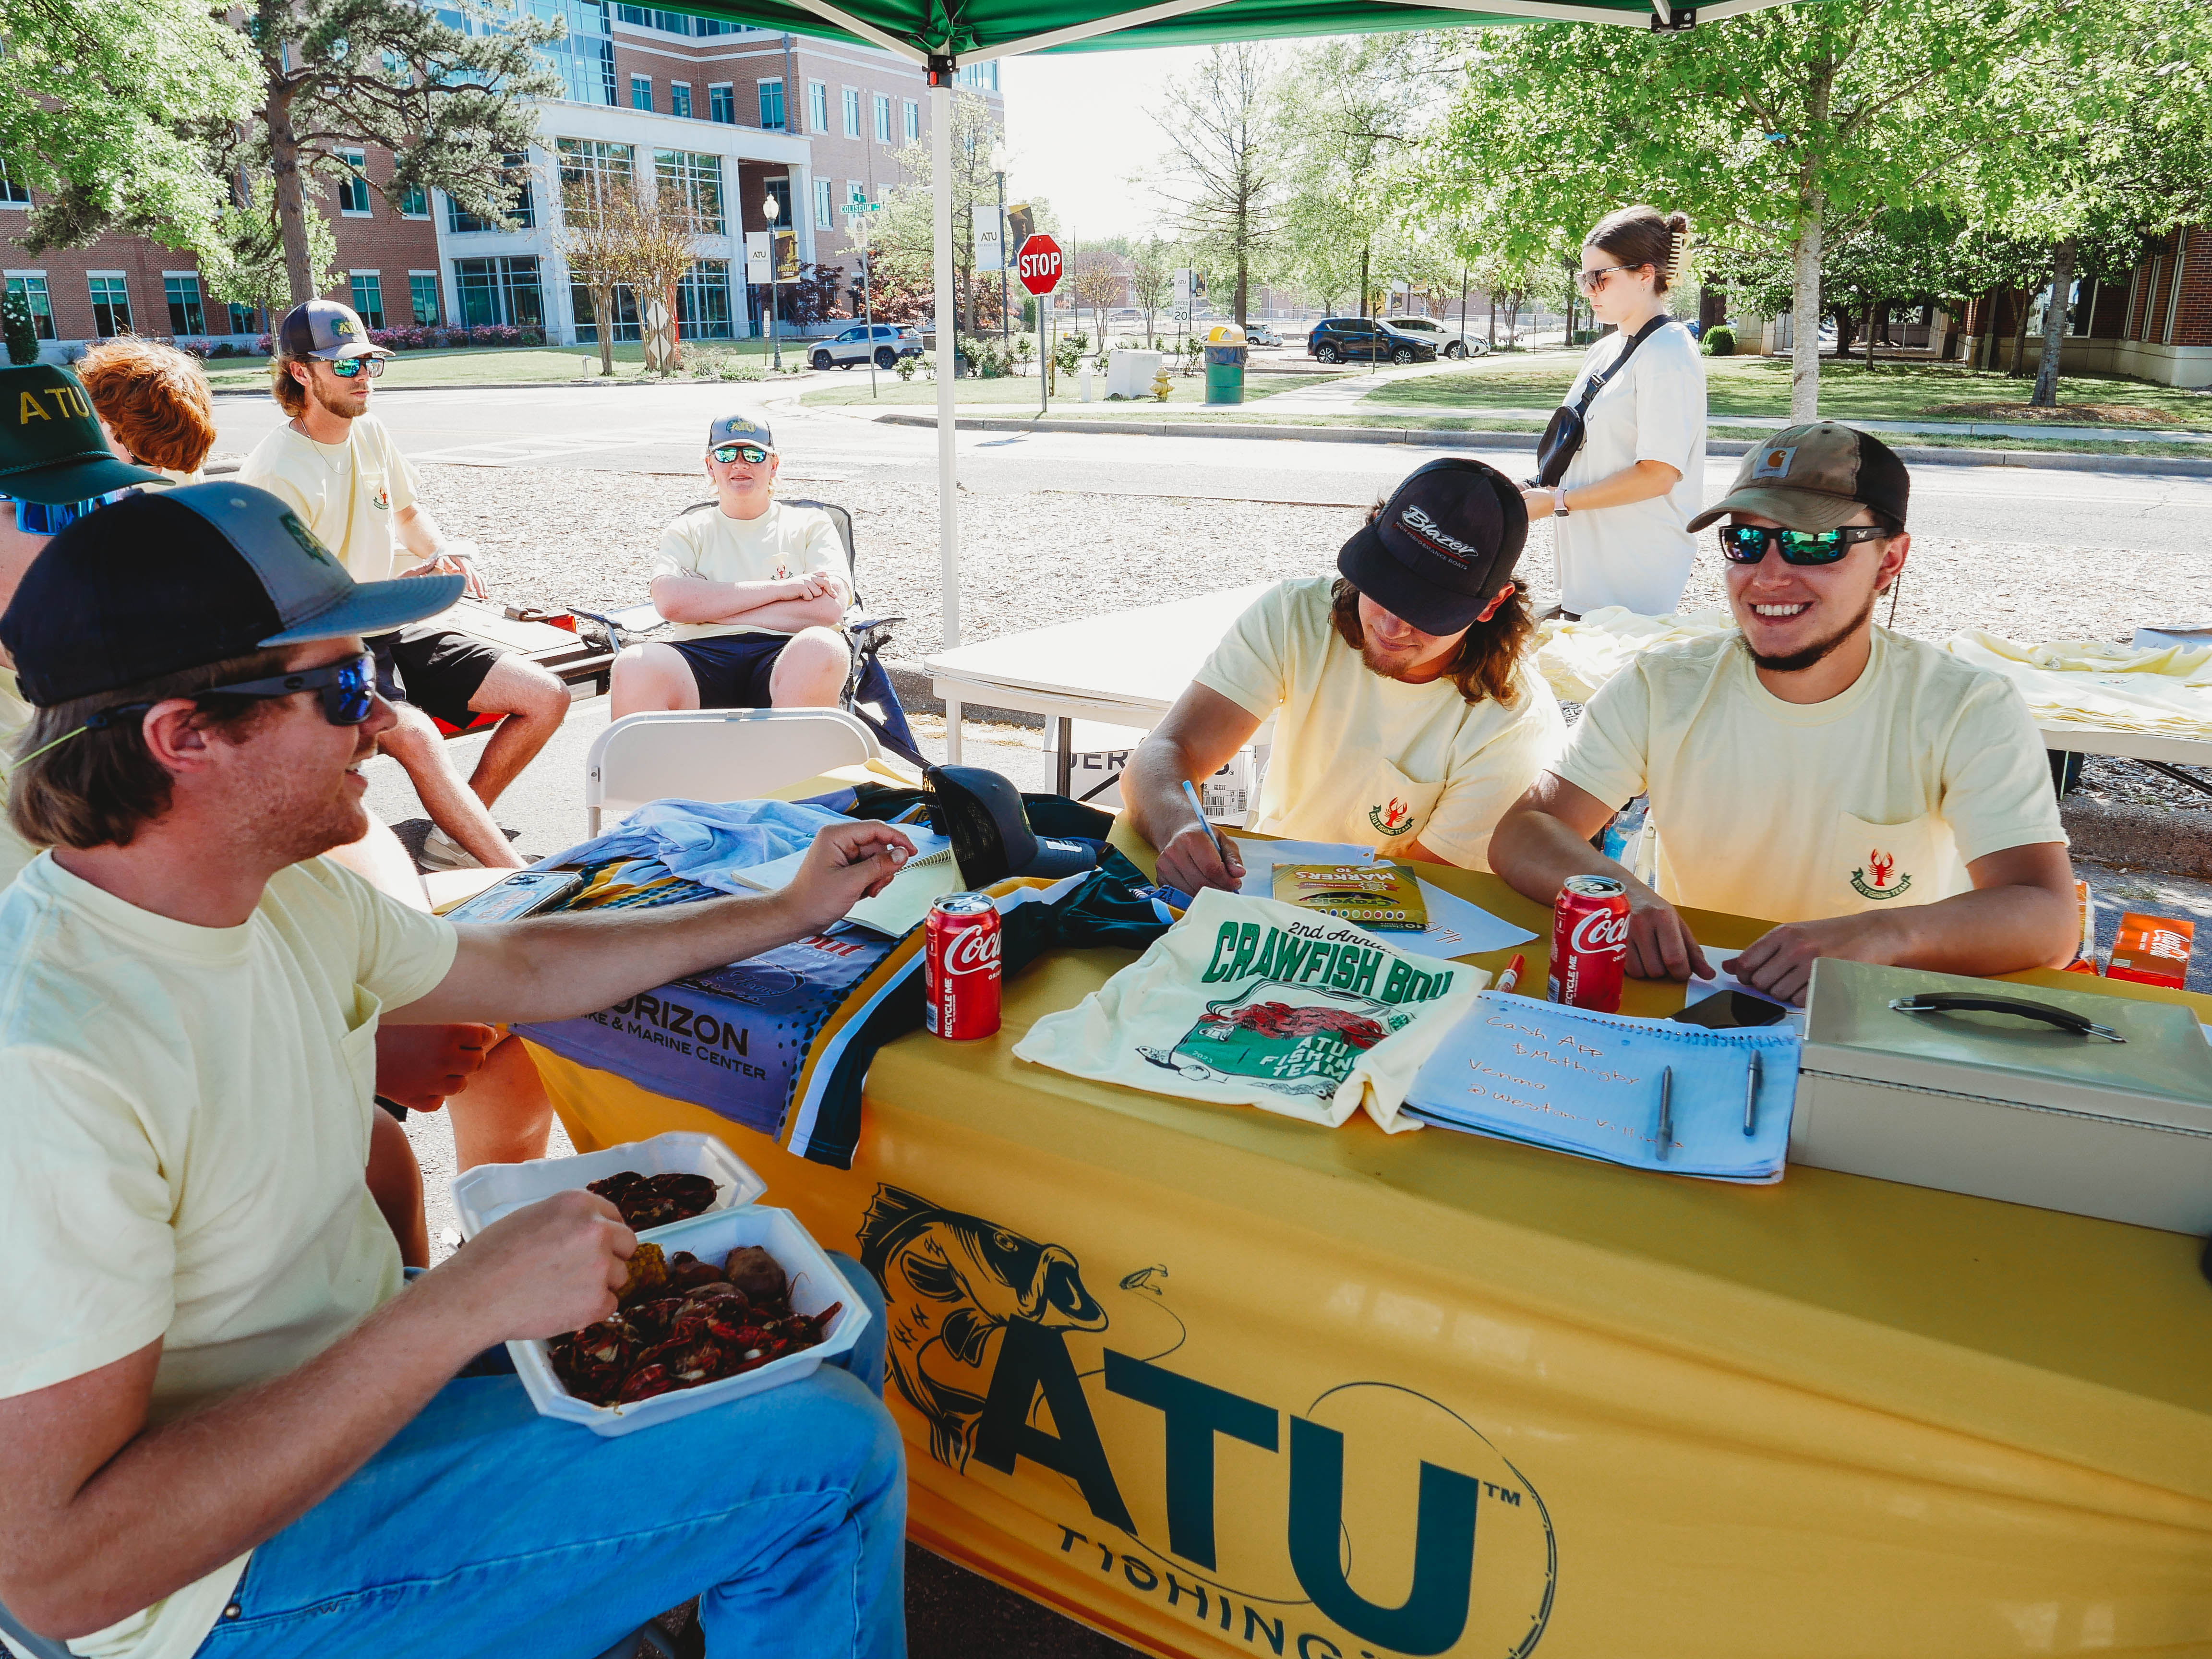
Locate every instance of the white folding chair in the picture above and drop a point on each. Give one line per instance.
(715, 754)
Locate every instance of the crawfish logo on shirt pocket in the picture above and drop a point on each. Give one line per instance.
(1879, 877)
(1394, 818)
(380, 499)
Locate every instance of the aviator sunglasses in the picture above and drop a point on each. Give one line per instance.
(750, 454)
(347, 368)
(1590, 280)
(51, 518)
(1747, 543)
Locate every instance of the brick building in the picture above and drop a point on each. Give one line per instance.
(2156, 325)
(729, 115)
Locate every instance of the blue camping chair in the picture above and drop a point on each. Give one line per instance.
(868, 695)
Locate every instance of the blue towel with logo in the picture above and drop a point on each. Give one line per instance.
(706, 841)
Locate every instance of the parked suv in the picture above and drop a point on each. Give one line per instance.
(1365, 340)
(1451, 342)
(884, 342)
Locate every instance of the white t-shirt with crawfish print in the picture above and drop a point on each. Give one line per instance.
(1248, 1002)
(1361, 758)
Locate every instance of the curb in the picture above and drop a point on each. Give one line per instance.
(2045, 460)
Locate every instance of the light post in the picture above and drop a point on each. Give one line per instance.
(856, 226)
(999, 174)
(769, 207)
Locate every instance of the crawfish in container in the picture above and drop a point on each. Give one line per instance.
(655, 1200)
(591, 1363)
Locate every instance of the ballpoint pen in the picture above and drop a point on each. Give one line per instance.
(1666, 1109)
(1751, 1097)
(1512, 976)
(1205, 823)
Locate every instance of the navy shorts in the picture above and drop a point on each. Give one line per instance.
(733, 670)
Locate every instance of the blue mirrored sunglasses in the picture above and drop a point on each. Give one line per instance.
(750, 454)
(347, 691)
(51, 518)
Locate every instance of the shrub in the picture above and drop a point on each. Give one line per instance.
(265, 346)
(1720, 341)
(987, 358)
(906, 367)
(19, 328)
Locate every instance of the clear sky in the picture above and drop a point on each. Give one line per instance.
(1078, 124)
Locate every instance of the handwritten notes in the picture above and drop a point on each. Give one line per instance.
(1589, 1083)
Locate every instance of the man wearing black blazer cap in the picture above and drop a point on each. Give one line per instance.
(1404, 718)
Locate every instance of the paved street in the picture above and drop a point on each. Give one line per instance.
(657, 430)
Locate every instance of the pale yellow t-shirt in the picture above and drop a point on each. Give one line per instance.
(1790, 811)
(782, 542)
(181, 1154)
(1358, 757)
(348, 494)
(15, 717)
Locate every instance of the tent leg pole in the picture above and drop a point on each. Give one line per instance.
(948, 482)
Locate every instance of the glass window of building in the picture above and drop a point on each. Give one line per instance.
(697, 181)
(413, 203)
(244, 319)
(817, 106)
(883, 118)
(825, 210)
(679, 98)
(499, 290)
(979, 78)
(702, 301)
(422, 296)
(13, 193)
(591, 170)
(641, 90)
(912, 122)
(856, 193)
(780, 189)
(182, 288)
(722, 104)
(852, 111)
(353, 187)
(524, 212)
(32, 287)
(771, 104)
(111, 305)
(588, 329)
(368, 297)
(584, 57)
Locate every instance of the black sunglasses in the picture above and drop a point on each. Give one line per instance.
(1747, 543)
(347, 691)
(750, 454)
(346, 367)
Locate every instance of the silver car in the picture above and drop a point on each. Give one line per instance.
(886, 342)
(1450, 342)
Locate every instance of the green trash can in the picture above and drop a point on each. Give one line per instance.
(1224, 374)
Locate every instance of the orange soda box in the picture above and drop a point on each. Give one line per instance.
(2085, 949)
(2152, 950)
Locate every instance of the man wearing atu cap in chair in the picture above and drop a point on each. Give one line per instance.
(1406, 719)
(1884, 801)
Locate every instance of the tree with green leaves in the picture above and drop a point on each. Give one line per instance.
(338, 76)
(244, 262)
(905, 232)
(89, 95)
(1775, 131)
(1221, 169)
(1152, 264)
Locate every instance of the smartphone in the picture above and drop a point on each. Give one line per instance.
(1727, 1011)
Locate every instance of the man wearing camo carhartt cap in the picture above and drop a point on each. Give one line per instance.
(1882, 799)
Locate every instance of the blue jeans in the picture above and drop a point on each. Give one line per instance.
(485, 1529)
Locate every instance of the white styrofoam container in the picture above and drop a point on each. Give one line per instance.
(815, 1283)
(490, 1190)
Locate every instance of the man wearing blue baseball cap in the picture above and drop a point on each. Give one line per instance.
(339, 469)
(1405, 719)
(222, 1407)
(756, 589)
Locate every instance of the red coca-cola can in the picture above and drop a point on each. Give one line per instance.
(960, 951)
(1590, 943)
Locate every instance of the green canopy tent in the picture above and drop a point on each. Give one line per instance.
(943, 35)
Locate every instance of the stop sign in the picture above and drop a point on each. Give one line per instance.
(1038, 264)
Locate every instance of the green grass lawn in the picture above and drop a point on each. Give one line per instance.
(1760, 387)
(1020, 391)
(474, 365)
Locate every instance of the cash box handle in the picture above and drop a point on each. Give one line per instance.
(1959, 1002)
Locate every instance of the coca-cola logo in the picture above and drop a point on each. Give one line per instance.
(1600, 932)
(972, 950)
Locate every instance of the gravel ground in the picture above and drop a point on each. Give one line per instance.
(560, 537)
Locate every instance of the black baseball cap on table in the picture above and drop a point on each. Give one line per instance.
(52, 449)
(175, 579)
(1443, 545)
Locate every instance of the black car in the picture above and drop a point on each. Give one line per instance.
(1363, 340)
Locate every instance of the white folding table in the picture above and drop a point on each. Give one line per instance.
(1126, 669)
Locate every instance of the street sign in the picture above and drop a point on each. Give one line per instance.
(990, 251)
(1039, 264)
(757, 256)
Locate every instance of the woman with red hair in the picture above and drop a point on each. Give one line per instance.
(152, 403)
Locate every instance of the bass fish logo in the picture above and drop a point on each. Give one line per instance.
(1292, 1048)
(953, 1283)
(1879, 866)
(1394, 819)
